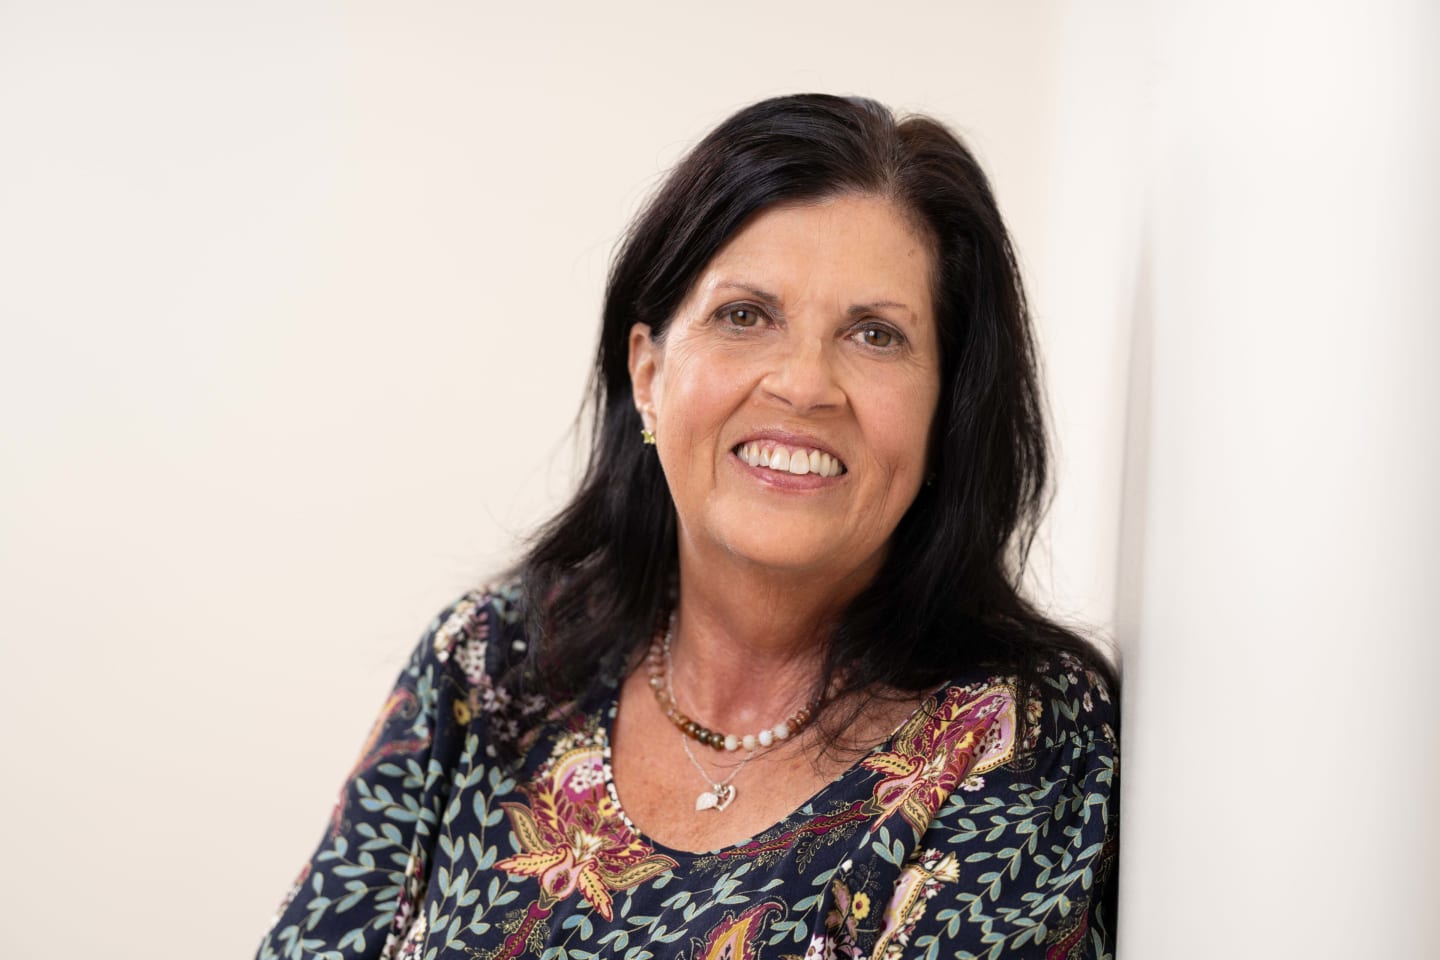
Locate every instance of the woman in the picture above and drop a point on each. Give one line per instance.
(766, 687)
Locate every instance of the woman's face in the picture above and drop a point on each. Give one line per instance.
(793, 392)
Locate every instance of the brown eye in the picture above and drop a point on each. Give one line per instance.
(878, 337)
(740, 316)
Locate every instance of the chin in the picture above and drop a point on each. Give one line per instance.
(791, 562)
(796, 553)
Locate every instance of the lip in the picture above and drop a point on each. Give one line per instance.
(788, 481)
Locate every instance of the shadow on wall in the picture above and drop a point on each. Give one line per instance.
(1134, 499)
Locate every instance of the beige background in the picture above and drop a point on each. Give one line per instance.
(297, 302)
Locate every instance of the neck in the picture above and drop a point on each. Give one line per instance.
(748, 643)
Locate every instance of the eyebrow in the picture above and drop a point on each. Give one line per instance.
(772, 300)
(874, 305)
(764, 296)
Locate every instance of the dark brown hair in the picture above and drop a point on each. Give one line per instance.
(947, 599)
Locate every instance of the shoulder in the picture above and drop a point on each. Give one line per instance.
(1020, 818)
(1069, 702)
(475, 636)
(998, 718)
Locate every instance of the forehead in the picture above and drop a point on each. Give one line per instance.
(854, 246)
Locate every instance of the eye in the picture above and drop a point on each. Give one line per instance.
(879, 337)
(740, 315)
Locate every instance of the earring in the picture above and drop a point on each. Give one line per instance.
(646, 437)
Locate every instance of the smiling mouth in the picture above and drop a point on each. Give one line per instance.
(796, 461)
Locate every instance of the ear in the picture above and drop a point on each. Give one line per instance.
(645, 358)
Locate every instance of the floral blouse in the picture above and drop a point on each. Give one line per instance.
(961, 836)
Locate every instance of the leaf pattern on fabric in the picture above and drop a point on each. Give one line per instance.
(968, 834)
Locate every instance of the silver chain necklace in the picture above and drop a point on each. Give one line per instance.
(721, 794)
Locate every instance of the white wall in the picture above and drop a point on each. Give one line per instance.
(1241, 267)
(297, 303)
(1282, 748)
(297, 300)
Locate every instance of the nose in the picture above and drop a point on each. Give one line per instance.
(804, 376)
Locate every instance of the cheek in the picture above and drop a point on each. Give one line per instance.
(698, 401)
(899, 424)
(699, 396)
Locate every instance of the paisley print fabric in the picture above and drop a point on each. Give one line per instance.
(972, 832)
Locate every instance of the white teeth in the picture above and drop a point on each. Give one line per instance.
(797, 462)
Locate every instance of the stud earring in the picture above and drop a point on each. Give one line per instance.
(646, 437)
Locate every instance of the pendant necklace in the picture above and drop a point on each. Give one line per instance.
(721, 794)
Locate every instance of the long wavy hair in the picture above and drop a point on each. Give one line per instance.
(597, 577)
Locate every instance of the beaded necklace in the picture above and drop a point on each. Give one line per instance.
(721, 793)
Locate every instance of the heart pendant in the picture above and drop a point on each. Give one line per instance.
(717, 799)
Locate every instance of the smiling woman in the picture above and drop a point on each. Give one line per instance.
(767, 686)
(809, 336)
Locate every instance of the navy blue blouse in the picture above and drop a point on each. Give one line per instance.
(972, 832)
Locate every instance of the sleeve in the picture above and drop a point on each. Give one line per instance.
(357, 895)
(1019, 863)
